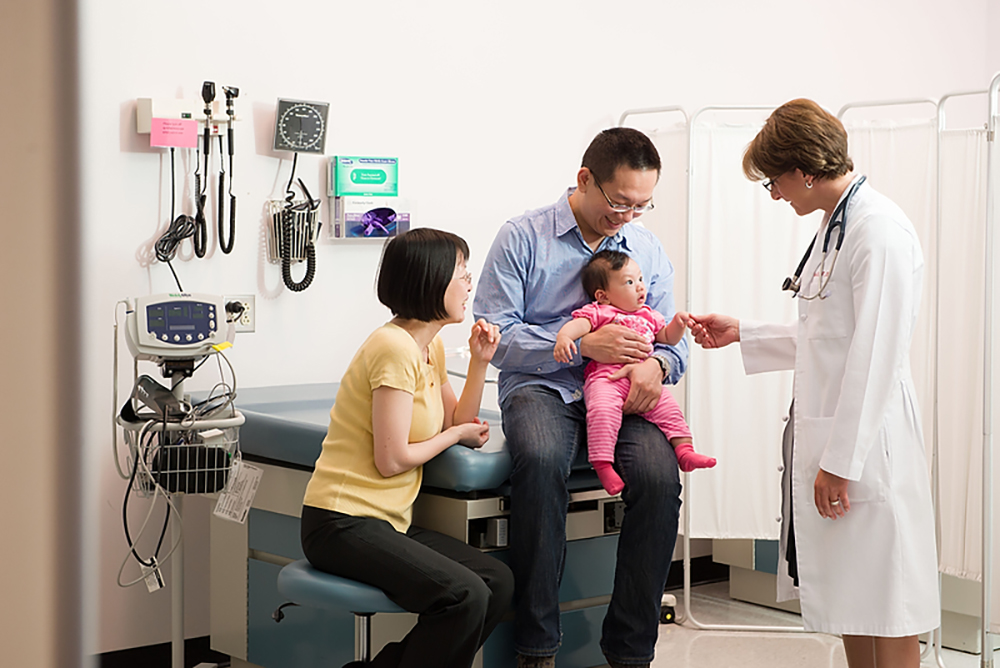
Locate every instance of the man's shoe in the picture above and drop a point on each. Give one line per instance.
(535, 661)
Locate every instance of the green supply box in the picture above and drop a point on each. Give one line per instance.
(358, 176)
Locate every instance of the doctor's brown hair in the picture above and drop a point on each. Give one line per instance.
(798, 135)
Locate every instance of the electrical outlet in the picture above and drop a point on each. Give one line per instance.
(247, 321)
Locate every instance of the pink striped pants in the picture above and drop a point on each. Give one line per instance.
(604, 400)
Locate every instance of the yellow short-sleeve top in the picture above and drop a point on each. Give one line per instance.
(345, 479)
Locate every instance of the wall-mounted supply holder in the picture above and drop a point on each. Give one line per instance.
(370, 217)
(148, 108)
(361, 176)
(366, 203)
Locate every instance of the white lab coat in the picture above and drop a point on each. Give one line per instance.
(873, 572)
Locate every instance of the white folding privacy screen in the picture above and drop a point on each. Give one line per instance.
(738, 246)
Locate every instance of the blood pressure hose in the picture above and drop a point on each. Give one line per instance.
(287, 224)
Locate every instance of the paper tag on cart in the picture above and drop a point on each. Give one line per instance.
(234, 503)
(152, 576)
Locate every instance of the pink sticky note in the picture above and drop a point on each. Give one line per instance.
(174, 133)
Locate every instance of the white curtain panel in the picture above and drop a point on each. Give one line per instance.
(743, 245)
(995, 372)
(961, 355)
(960, 375)
(900, 159)
(668, 219)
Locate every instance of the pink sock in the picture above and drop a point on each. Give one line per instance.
(610, 480)
(688, 460)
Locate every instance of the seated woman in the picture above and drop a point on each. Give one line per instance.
(396, 410)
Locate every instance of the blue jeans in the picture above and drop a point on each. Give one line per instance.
(544, 435)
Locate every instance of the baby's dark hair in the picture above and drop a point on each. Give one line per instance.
(601, 264)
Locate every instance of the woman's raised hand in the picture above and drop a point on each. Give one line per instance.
(484, 340)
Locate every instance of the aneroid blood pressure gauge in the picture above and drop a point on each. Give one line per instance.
(300, 126)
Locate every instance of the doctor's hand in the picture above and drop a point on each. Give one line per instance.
(714, 330)
(615, 344)
(830, 495)
(646, 384)
(484, 340)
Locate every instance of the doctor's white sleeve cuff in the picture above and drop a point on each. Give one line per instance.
(767, 347)
(849, 467)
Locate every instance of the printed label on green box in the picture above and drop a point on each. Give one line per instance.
(358, 176)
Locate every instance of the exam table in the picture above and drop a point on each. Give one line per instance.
(465, 494)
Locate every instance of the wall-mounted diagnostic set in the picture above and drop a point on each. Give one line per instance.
(191, 124)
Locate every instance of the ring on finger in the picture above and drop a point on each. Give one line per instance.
(835, 502)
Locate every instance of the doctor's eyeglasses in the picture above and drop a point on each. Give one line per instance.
(623, 208)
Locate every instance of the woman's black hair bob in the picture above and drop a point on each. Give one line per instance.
(415, 271)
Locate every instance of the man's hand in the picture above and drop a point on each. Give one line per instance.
(646, 386)
(616, 344)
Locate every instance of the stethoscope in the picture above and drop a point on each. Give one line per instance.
(837, 221)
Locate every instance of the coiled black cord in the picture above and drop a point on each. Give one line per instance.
(287, 223)
(287, 226)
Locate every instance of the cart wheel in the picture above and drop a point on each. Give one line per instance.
(667, 614)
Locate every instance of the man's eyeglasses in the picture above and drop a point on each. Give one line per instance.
(623, 208)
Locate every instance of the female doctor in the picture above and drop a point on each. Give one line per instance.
(859, 540)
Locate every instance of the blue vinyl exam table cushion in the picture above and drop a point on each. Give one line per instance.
(287, 423)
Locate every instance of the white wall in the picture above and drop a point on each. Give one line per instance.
(489, 110)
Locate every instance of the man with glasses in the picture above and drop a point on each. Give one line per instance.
(530, 286)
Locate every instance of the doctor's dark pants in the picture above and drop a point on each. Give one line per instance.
(544, 435)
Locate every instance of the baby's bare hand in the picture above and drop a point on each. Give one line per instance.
(564, 350)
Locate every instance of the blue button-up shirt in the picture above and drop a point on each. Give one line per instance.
(531, 284)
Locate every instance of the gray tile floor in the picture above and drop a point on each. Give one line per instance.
(684, 646)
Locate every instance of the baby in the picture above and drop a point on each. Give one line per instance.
(615, 284)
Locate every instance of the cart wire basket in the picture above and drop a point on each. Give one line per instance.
(181, 460)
